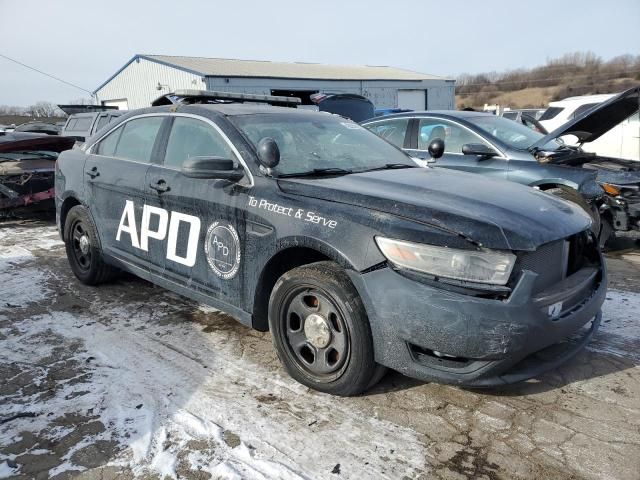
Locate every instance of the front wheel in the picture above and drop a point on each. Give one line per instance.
(321, 331)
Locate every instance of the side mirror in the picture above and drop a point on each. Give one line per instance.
(436, 148)
(478, 149)
(268, 152)
(212, 167)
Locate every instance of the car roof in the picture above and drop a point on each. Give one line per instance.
(233, 109)
(438, 113)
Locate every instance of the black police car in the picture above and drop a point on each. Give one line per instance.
(308, 225)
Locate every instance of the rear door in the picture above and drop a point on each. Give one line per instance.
(454, 136)
(202, 249)
(115, 190)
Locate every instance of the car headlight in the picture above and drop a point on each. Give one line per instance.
(480, 266)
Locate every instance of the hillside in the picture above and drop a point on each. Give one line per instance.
(572, 74)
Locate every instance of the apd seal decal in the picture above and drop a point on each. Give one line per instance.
(222, 248)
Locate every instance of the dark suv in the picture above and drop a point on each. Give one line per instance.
(308, 225)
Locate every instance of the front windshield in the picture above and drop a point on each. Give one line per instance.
(309, 142)
(514, 134)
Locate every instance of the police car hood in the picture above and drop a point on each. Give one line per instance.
(493, 213)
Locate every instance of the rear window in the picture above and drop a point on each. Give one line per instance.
(582, 109)
(79, 124)
(510, 115)
(551, 112)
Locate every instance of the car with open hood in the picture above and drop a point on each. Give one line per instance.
(307, 225)
(27, 166)
(478, 142)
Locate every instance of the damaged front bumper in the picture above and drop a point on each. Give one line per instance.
(23, 184)
(435, 334)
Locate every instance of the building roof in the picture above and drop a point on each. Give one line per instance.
(229, 67)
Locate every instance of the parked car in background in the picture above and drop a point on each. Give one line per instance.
(560, 112)
(525, 118)
(349, 105)
(621, 141)
(484, 143)
(355, 259)
(27, 166)
(81, 126)
(39, 127)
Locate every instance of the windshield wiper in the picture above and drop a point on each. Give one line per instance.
(318, 172)
(389, 166)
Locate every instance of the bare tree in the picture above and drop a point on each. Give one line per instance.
(44, 109)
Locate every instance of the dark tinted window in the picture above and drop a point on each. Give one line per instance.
(392, 130)
(194, 138)
(550, 113)
(583, 108)
(137, 138)
(510, 115)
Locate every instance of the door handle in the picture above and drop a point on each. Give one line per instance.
(93, 173)
(160, 186)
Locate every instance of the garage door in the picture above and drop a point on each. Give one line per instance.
(121, 103)
(411, 99)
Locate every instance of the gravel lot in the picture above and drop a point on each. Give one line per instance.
(128, 380)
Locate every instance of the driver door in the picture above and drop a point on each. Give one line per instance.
(202, 249)
(455, 136)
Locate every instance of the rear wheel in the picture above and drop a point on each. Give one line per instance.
(321, 331)
(83, 248)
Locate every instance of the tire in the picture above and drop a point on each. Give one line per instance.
(574, 197)
(83, 248)
(321, 331)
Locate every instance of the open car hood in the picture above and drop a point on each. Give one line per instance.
(599, 120)
(22, 141)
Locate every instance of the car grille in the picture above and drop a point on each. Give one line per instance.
(554, 261)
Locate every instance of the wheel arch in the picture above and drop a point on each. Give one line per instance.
(292, 253)
(67, 204)
(547, 183)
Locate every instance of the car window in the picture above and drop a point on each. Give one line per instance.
(83, 123)
(102, 121)
(71, 123)
(583, 108)
(190, 137)
(137, 138)
(454, 135)
(107, 145)
(510, 115)
(550, 113)
(392, 130)
(309, 141)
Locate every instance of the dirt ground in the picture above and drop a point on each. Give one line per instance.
(130, 381)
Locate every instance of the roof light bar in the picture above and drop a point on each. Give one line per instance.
(210, 96)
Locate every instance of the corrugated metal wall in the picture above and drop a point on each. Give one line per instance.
(383, 94)
(137, 83)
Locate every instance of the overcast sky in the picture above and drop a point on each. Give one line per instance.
(86, 41)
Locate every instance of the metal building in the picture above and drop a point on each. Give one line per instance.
(145, 77)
